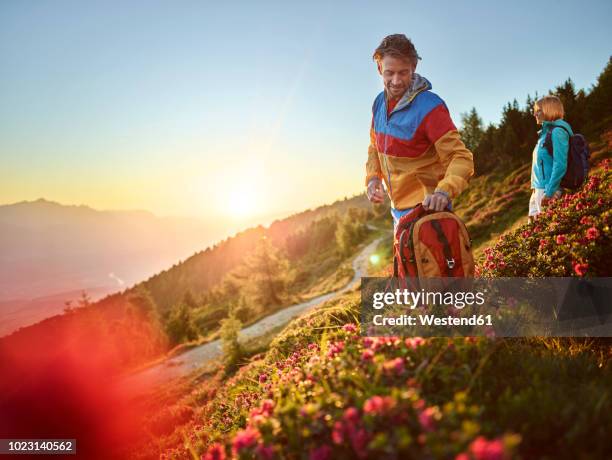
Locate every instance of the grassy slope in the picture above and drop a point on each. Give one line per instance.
(497, 203)
(494, 203)
(553, 394)
(549, 398)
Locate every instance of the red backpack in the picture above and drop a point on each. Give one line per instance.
(431, 244)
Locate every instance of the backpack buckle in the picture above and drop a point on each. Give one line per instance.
(450, 263)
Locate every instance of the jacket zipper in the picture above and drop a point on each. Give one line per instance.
(387, 116)
(542, 168)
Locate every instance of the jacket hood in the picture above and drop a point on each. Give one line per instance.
(418, 85)
(548, 125)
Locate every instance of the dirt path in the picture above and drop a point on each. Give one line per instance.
(190, 360)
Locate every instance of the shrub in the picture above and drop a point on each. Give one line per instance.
(570, 238)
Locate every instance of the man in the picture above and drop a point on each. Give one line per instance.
(415, 147)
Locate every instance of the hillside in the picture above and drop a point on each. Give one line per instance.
(188, 285)
(497, 202)
(320, 390)
(199, 272)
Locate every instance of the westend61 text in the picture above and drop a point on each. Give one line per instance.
(412, 298)
(432, 320)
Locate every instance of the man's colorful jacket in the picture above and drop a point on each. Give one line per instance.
(417, 149)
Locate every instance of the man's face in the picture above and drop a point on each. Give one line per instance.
(397, 75)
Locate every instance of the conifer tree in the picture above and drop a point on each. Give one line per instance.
(263, 274)
(472, 131)
(232, 350)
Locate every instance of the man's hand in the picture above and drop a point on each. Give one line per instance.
(375, 191)
(435, 202)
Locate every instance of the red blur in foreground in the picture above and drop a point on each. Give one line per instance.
(57, 383)
(68, 396)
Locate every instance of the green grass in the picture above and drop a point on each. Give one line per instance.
(534, 388)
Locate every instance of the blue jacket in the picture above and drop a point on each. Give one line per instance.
(546, 170)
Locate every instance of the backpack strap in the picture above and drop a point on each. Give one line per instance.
(448, 255)
(548, 139)
(402, 243)
(395, 270)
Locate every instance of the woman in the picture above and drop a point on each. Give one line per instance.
(548, 168)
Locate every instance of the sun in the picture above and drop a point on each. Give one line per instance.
(244, 201)
(241, 191)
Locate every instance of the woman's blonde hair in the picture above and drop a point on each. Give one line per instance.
(551, 107)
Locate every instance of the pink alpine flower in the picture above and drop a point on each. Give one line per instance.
(323, 452)
(264, 452)
(263, 378)
(414, 342)
(427, 419)
(215, 452)
(378, 405)
(482, 449)
(267, 407)
(350, 327)
(581, 269)
(359, 442)
(592, 233)
(586, 220)
(561, 239)
(335, 348)
(351, 415)
(338, 433)
(367, 355)
(419, 404)
(244, 439)
(395, 365)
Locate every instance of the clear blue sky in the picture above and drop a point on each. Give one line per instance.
(165, 105)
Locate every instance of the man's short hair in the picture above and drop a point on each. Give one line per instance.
(396, 45)
(551, 107)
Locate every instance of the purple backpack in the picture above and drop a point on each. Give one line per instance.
(577, 159)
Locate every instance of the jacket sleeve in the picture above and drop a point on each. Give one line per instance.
(560, 142)
(457, 160)
(373, 164)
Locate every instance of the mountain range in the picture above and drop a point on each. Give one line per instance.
(50, 253)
